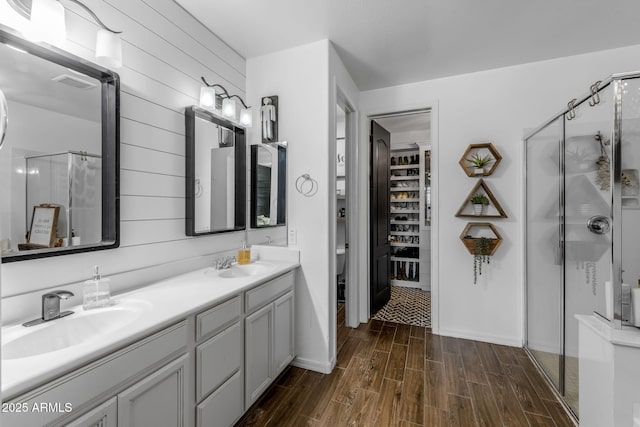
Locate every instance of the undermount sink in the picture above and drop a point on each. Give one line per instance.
(238, 271)
(77, 328)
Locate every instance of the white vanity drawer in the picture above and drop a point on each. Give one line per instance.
(218, 317)
(218, 359)
(269, 291)
(224, 407)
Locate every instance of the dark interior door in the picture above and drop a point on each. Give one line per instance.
(380, 288)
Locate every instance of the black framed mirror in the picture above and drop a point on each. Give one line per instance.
(268, 185)
(60, 152)
(215, 174)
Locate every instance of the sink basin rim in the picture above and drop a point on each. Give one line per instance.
(81, 327)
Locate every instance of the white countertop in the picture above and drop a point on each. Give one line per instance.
(627, 336)
(168, 301)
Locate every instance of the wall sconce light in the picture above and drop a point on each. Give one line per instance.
(224, 104)
(48, 24)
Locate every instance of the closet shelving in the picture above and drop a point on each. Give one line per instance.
(405, 201)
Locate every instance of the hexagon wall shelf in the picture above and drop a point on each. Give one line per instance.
(466, 209)
(475, 230)
(481, 150)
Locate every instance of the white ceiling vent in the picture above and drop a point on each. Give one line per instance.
(74, 81)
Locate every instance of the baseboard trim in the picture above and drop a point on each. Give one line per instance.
(314, 365)
(494, 339)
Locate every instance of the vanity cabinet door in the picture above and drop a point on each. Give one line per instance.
(259, 350)
(283, 336)
(158, 400)
(104, 415)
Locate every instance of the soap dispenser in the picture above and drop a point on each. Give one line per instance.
(95, 292)
(244, 254)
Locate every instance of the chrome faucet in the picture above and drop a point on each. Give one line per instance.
(225, 262)
(51, 307)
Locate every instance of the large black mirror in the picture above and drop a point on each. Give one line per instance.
(268, 185)
(60, 159)
(215, 174)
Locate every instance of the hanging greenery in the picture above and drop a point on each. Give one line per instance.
(482, 247)
(603, 177)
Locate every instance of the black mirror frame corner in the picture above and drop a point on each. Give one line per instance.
(240, 220)
(110, 90)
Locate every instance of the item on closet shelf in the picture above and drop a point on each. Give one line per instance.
(244, 254)
(393, 161)
(306, 185)
(96, 292)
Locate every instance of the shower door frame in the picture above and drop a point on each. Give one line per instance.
(561, 205)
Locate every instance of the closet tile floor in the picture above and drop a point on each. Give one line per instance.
(391, 374)
(410, 306)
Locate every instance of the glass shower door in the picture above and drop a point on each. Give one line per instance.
(544, 250)
(588, 222)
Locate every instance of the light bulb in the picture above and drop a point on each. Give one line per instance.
(207, 97)
(246, 119)
(108, 49)
(229, 108)
(47, 22)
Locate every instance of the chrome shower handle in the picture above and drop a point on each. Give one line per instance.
(598, 224)
(4, 117)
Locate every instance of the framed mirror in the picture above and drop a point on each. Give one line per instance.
(60, 153)
(215, 174)
(268, 185)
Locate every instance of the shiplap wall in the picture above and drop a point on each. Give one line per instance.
(165, 51)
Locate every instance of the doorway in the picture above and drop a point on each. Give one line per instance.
(341, 205)
(400, 218)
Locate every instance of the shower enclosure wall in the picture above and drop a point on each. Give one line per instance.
(582, 224)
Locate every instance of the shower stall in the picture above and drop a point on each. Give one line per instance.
(582, 224)
(73, 181)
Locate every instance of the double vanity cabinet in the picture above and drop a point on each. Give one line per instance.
(204, 369)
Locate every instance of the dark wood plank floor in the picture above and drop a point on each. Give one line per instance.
(389, 374)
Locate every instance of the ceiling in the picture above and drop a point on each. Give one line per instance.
(40, 83)
(406, 122)
(389, 42)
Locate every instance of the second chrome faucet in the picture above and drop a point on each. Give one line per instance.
(225, 262)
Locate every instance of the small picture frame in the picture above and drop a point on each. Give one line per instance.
(44, 224)
(269, 119)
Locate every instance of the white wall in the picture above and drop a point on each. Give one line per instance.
(497, 106)
(165, 52)
(300, 78)
(344, 92)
